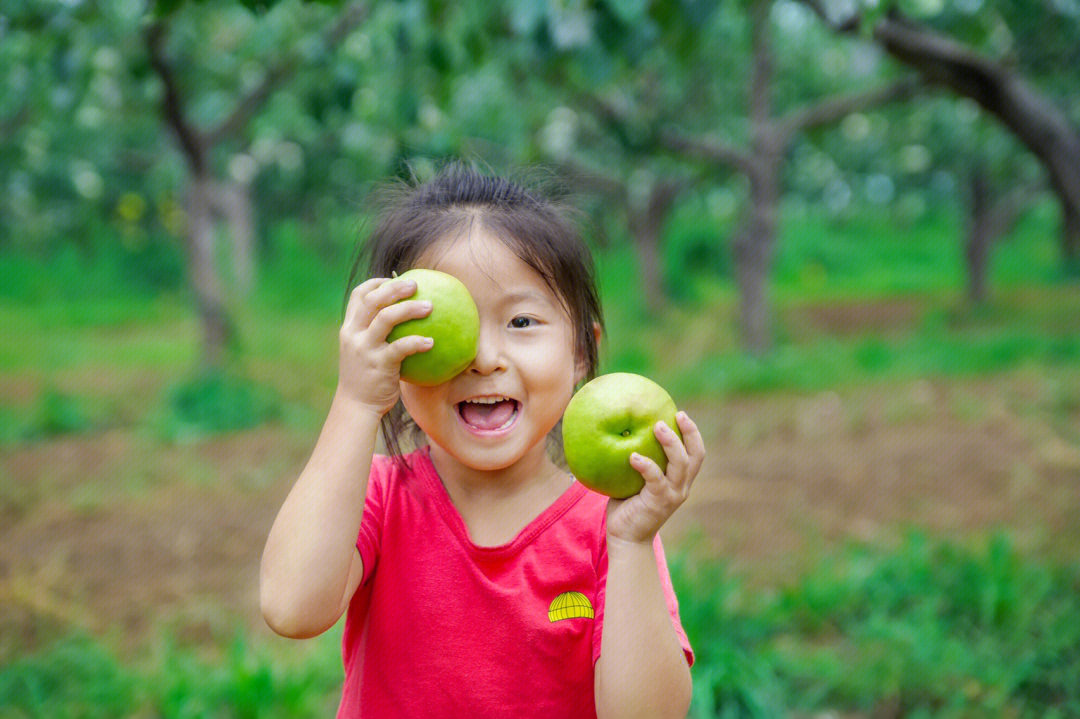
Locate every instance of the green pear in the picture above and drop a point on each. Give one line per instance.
(607, 420)
(453, 323)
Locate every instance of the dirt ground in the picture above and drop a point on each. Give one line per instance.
(121, 536)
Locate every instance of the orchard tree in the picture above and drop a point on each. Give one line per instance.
(66, 163)
(700, 82)
(761, 160)
(221, 189)
(1016, 60)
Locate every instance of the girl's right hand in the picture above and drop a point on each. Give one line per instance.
(370, 368)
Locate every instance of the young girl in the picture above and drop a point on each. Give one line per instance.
(478, 579)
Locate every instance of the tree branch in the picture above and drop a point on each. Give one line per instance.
(708, 148)
(628, 125)
(837, 107)
(1010, 206)
(279, 74)
(10, 125)
(843, 26)
(761, 68)
(192, 144)
(592, 180)
(1041, 126)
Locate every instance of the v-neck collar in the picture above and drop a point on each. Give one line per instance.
(425, 470)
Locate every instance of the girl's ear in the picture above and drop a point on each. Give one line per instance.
(582, 367)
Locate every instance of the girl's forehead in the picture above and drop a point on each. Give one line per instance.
(486, 263)
(477, 252)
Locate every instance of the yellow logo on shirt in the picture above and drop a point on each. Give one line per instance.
(570, 605)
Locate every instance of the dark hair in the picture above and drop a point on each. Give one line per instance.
(538, 228)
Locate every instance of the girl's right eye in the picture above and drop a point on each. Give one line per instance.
(520, 323)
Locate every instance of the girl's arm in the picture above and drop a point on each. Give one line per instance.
(642, 671)
(310, 565)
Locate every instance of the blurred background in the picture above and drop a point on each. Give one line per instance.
(845, 234)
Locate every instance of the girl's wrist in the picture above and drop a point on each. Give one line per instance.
(617, 544)
(351, 405)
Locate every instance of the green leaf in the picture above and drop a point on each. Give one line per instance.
(629, 11)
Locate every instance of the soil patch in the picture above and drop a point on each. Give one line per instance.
(786, 479)
(856, 316)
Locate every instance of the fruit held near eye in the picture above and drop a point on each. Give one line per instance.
(454, 324)
(607, 420)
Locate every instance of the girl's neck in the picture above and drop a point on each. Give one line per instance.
(496, 506)
(534, 470)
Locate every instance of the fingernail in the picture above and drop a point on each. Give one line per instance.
(635, 457)
(426, 305)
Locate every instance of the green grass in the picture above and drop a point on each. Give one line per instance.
(928, 628)
(104, 346)
(240, 678)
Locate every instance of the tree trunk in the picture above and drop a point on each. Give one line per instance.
(646, 228)
(1071, 239)
(209, 293)
(993, 215)
(753, 246)
(979, 238)
(650, 266)
(232, 201)
(753, 252)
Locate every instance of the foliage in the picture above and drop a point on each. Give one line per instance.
(929, 629)
(54, 413)
(81, 678)
(90, 167)
(214, 401)
(76, 677)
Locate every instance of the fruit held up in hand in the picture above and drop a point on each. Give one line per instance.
(607, 420)
(453, 323)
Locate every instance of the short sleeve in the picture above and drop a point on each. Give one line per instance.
(369, 539)
(669, 597)
(672, 600)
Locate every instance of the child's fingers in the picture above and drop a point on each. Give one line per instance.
(356, 300)
(692, 440)
(402, 347)
(388, 317)
(390, 292)
(649, 470)
(673, 447)
(384, 294)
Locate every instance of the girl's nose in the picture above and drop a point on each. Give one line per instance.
(489, 354)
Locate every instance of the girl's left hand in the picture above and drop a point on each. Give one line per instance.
(638, 518)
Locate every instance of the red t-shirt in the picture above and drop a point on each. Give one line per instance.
(441, 627)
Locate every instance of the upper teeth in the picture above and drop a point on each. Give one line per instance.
(488, 400)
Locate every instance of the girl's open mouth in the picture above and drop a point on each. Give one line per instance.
(488, 414)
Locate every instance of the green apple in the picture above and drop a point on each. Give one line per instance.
(453, 323)
(607, 420)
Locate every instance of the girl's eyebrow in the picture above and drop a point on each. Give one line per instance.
(523, 294)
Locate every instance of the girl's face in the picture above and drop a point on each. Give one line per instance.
(500, 409)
